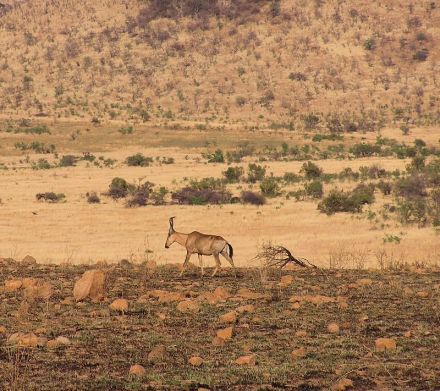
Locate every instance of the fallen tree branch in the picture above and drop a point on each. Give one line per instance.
(279, 256)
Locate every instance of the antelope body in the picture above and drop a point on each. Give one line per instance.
(201, 244)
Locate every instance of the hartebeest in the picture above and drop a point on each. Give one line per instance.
(200, 244)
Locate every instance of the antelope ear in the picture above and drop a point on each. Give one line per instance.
(172, 223)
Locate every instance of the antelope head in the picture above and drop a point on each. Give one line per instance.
(171, 234)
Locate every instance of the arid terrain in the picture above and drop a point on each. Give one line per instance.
(305, 330)
(313, 125)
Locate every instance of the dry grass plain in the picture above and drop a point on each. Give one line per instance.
(75, 231)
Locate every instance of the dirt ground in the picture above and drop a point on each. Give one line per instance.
(281, 320)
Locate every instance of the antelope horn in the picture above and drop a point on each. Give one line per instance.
(172, 222)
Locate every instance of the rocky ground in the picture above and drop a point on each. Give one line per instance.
(147, 328)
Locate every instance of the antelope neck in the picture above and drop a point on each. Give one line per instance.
(181, 238)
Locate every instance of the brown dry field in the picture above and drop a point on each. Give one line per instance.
(77, 232)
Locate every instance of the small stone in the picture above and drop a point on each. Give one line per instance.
(188, 306)
(246, 360)
(63, 340)
(226, 333)
(28, 260)
(222, 293)
(301, 334)
(158, 353)
(137, 370)
(333, 328)
(296, 305)
(408, 334)
(383, 344)
(298, 353)
(218, 342)
(53, 344)
(2, 329)
(422, 294)
(120, 305)
(196, 361)
(245, 309)
(229, 317)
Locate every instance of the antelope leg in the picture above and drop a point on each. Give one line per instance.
(185, 264)
(201, 264)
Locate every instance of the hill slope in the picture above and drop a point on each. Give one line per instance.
(366, 62)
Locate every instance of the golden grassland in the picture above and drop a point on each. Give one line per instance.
(75, 231)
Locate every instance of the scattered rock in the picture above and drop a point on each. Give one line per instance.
(226, 333)
(229, 317)
(29, 281)
(196, 361)
(120, 305)
(246, 293)
(165, 296)
(408, 334)
(137, 370)
(286, 281)
(246, 360)
(2, 329)
(250, 308)
(383, 344)
(53, 344)
(28, 260)
(343, 384)
(333, 328)
(63, 340)
(298, 353)
(13, 285)
(296, 305)
(188, 306)
(91, 284)
(423, 294)
(158, 354)
(301, 334)
(222, 293)
(218, 341)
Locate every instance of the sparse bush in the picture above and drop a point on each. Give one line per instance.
(93, 198)
(365, 150)
(370, 44)
(50, 197)
(190, 196)
(311, 170)
(339, 201)
(119, 188)
(209, 183)
(250, 197)
(36, 146)
(233, 174)
(298, 76)
(363, 194)
(412, 211)
(269, 187)
(41, 164)
(68, 161)
(140, 195)
(411, 187)
(421, 55)
(348, 173)
(216, 157)
(126, 130)
(255, 173)
(138, 160)
(385, 187)
(311, 121)
(314, 189)
(240, 101)
(158, 196)
(291, 177)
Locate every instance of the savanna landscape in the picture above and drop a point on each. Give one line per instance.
(310, 125)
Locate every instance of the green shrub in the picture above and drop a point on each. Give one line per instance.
(338, 201)
(158, 196)
(119, 188)
(310, 121)
(412, 211)
(41, 164)
(216, 157)
(209, 183)
(365, 150)
(255, 173)
(370, 44)
(385, 187)
(432, 172)
(311, 170)
(363, 194)
(269, 187)
(140, 195)
(138, 160)
(291, 177)
(411, 187)
(233, 174)
(314, 189)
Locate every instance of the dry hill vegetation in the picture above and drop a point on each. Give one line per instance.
(293, 63)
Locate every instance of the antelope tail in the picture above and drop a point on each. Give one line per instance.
(231, 250)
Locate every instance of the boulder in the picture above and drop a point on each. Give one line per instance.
(188, 306)
(225, 333)
(218, 342)
(298, 353)
(91, 284)
(137, 370)
(383, 344)
(250, 308)
(38, 290)
(195, 361)
(246, 360)
(28, 260)
(158, 354)
(333, 328)
(229, 317)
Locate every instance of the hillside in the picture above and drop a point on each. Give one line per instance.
(351, 64)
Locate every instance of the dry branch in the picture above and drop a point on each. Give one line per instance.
(279, 256)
